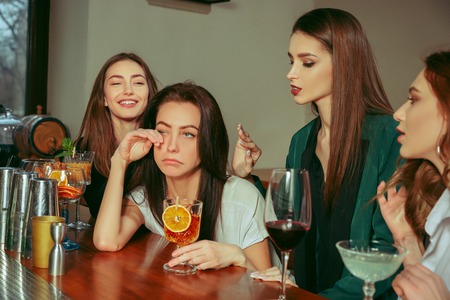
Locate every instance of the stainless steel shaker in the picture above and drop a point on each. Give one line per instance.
(6, 179)
(57, 259)
(42, 201)
(17, 209)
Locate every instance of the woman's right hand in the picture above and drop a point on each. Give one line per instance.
(246, 154)
(137, 143)
(393, 211)
(273, 274)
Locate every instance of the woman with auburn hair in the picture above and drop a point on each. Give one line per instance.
(185, 155)
(119, 97)
(348, 149)
(420, 209)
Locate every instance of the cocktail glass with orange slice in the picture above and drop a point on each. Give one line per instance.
(82, 160)
(71, 186)
(182, 218)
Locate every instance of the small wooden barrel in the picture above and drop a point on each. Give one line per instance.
(39, 135)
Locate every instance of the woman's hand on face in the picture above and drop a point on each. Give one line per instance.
(272, 274)
(416, 282)
(137, 143)
(209, 255)
(393, 211)
(246, 154)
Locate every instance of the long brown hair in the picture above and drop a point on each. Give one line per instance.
(357, 89)
(421, 179)
(97, 131)
(213, 145)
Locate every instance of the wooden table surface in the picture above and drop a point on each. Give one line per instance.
(136, 272)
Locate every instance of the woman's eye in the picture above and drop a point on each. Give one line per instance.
(412, 99)
(115, 83)
(162, 131)
(188, 135)
(139, 82)
(308, 64)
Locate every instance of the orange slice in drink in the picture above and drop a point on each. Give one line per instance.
(59, 176)
(176, 218)
(68, 192)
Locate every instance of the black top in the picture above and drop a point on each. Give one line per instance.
(317, 263)
(94, 192)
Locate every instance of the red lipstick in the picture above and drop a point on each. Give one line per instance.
(295, 90)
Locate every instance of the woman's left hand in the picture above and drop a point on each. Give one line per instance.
(416, 282)
(209, 255)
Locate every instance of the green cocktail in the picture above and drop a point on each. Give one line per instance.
(371, 261)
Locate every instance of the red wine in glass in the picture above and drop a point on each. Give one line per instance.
(287, 213)
(286, 234)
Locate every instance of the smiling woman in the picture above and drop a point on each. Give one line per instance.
(119, 97)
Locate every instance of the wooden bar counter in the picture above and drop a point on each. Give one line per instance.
(136, 272)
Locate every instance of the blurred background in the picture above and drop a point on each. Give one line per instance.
(237, 50)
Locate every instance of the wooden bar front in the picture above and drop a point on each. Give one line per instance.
(136, 272)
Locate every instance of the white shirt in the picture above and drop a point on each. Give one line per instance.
(437, 255)
(242, 218)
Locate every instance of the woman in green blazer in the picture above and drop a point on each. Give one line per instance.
(348, 149)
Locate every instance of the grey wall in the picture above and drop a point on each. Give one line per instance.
(237, 51)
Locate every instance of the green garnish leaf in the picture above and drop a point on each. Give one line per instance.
(67, 147)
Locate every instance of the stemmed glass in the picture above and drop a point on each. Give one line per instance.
(42, 166)
(181, 219)
(287, 213)
(84, 161)
(71, 186)
(371, 261)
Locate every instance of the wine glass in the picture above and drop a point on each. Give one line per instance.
(181, 219)
(287, 213)
(371, 261)
(71, 186)
(84, 161)
(42, 166)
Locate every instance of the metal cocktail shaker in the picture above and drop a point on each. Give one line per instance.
(42, 201)
(6, 178)
(57, 259)
(17, 209)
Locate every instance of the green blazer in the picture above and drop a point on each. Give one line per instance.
(367, 222)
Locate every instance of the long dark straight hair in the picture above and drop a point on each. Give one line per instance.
(213, 145)
(357, 89)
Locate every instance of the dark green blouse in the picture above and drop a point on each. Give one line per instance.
(382, 151)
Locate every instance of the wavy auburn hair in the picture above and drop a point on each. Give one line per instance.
(357, 89)
(420, 177)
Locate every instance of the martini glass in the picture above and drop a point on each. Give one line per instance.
(371, 261)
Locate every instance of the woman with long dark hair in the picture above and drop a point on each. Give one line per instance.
(185, 155)
(348, 148)
(119, 97)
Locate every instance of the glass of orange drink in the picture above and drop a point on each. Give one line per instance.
(82, 160)
(71, 186)
(181, 218)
